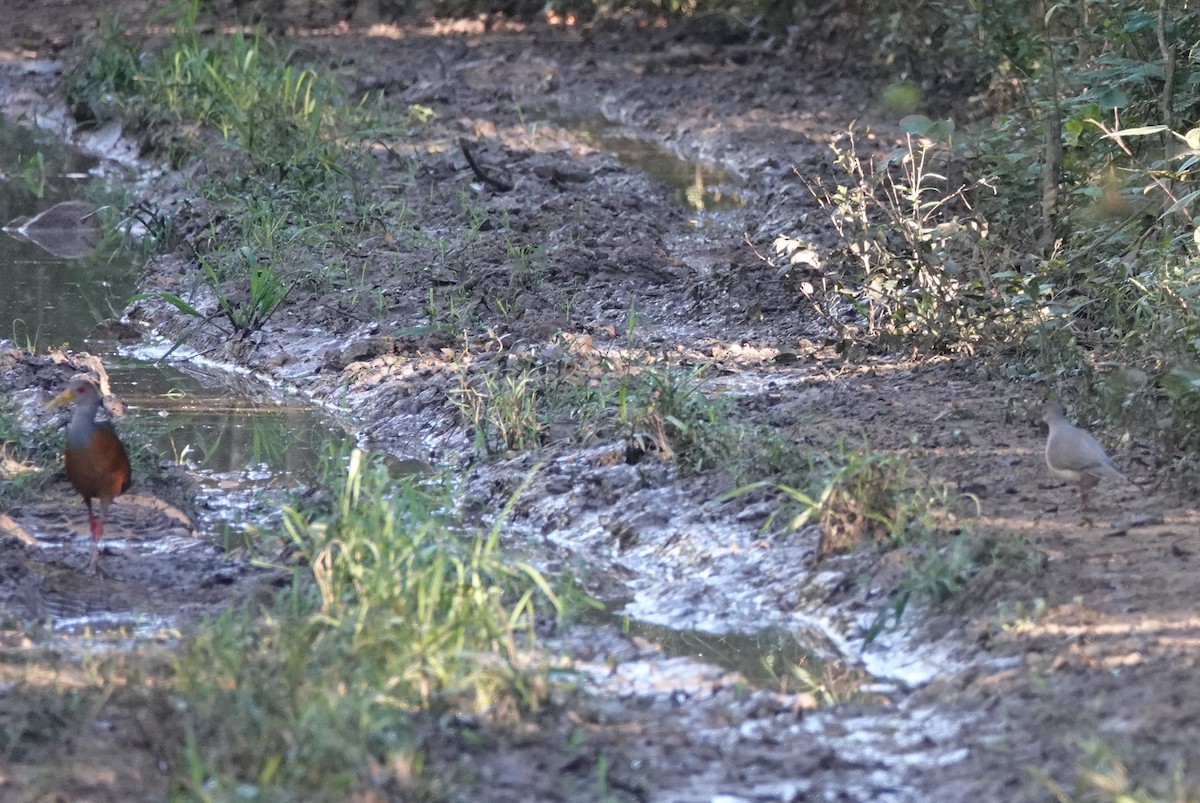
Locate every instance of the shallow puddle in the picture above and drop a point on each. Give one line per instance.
(116, 630)
(766, 659)
(50, 299)
(235, 438)
(696, 185)
(195, 417)
(246, 451)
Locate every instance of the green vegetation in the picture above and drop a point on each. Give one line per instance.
(287, 171)
(33, 174)
(859, 497)
(913, 243)
(311, 691)
(830, 683)
(1056, 238)
(862, 496)
(17, 470)
(242, 87)
(402, 618)
(571, 391)
(1105, 779)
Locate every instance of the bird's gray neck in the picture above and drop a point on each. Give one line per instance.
(79, 431)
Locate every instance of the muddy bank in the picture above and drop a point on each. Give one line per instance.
(1087, 633)
(157, 570)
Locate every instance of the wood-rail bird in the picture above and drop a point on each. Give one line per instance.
(1074, 456)
(97, 464)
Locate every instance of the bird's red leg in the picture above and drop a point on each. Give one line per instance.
(97, 525)
(91, 517)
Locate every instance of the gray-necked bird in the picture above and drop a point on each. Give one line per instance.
(1075, 456)
(97, 464)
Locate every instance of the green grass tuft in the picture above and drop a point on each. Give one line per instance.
(402, 618)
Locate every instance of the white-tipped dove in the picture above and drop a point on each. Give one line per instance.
(1075, 456)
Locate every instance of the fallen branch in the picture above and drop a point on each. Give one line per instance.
(500, 185)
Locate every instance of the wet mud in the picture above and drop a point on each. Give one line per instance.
(1094, 635)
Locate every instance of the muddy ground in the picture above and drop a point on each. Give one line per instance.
(1091, 635)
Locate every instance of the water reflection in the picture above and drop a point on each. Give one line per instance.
(68, 230)
(57, 295)
(198, 419)
(698, 186)
(48, 299)
(764, 658)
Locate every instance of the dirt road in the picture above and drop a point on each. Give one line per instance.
(1086, 644)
